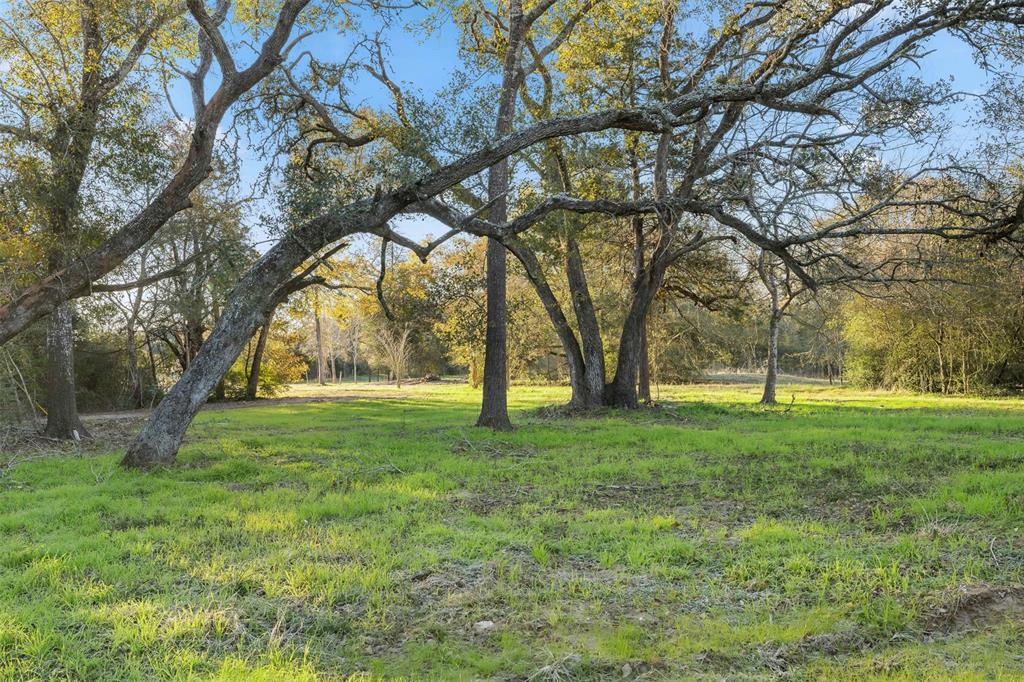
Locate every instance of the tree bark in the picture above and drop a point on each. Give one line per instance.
(621, 392)
(590, 331)
(253, 383)
(767, 273)
(494, 407)
(771, 378)
(644, 378)
(320, 373)
(62, 420)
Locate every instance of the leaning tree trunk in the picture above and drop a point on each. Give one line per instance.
(590, 331)
(253, 383)
(62, 419)
(158, 442)
(583, 397)
(494, 407)
(771, 378)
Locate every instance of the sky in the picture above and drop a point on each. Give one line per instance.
(420, 61)
(424, 61)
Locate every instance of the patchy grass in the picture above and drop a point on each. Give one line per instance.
(851, 535)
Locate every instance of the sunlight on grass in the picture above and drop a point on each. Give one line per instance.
(379, 536)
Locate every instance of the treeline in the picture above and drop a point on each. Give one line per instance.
(956, 329)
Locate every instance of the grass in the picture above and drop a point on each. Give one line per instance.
(851, 535)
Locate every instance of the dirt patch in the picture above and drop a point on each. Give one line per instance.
(976, 607)
(495, 500)
(493, 449)
(668, 412)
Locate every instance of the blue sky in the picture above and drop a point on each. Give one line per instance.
(424, 62)
(421, 61)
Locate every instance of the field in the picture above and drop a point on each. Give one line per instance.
(845, 535)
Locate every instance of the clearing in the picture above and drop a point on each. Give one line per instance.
(381, 536)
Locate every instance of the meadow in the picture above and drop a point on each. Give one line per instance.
(841, 535)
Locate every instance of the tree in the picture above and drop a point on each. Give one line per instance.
(73, 280)
(494, 407)
(74, 94)
(395, 350)
(252, 382)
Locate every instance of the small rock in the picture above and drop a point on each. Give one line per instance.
(483, 625)
(627, 670)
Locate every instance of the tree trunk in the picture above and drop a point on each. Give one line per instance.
(771, 378)
(622, 391)
(590, 331)
(262, 287)
(158, 442)
(253, 384)
(494, 408)
(319, 351)
(62, 419)
(644, 374)
(583, 397)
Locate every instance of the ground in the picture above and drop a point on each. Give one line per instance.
(841, 535)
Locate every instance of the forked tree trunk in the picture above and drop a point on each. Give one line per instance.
(622, 391)
(62, 419)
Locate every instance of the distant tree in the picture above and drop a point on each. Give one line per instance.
(394, 349)
(272, 360)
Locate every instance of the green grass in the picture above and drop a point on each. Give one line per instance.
(851, 535)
